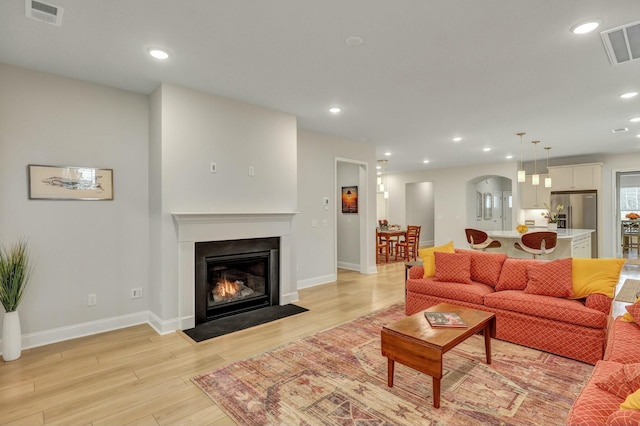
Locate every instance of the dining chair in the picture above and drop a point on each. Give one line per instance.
(382, 247)
(480, 240)
(630, 236)
(537, 243)
(408, 247)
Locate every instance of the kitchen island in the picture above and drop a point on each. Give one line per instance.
(571, 243)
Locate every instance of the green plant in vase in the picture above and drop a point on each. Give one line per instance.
(15, 271)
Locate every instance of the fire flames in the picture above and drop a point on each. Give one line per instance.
(228, 290)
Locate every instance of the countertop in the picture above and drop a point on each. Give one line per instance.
(562, 233)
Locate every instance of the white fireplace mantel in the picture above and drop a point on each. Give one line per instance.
(202, 226)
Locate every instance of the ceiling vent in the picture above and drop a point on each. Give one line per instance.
(44, 12)
(623, 43)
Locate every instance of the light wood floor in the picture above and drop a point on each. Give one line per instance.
(134, 376)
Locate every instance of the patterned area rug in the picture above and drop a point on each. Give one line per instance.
(339, 377)
(628, 291)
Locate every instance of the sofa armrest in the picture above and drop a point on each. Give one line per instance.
(416, 272)
(599, 302)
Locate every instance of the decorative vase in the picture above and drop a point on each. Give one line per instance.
(11, 336)
(552, 226)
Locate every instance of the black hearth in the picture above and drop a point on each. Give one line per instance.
(235, 276)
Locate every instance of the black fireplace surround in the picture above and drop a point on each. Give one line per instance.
(235, 276)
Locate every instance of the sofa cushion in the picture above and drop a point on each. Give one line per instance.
(634, 311)
(514, 274)
(565, 310)
(623, 382)
(453, 267)
(471, 293)
(623, 342)
(428, 260)
(624, 418)
(594, 405)
(550, 278)
(485, 267)
(595, 276)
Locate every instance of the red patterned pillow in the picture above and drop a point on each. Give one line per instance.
(486, 267)
(453, 267)
(514, 274)
(550, 278)
(624, 382)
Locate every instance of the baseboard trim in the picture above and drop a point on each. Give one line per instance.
(312, 282)
(47, 337)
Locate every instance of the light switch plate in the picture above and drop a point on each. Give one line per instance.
(213, 167)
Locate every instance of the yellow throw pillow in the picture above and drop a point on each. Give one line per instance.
(632, 402)
(429, 260)
(595, 276)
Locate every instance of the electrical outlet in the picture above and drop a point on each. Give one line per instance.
(252, 171)
(92, 299)
(136, 293)
(213, 167)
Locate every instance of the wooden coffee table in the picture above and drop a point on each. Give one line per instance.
(413, 342)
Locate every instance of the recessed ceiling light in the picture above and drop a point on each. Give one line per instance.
(457, 139)
(425, 161)
(629, 95)
(620, 130)
(585, 27)
(354, 41)
(158, 53)
(638, 135)
(335, 110)
(634, 119)
(509, 157)
(387, 154)
(486, 149)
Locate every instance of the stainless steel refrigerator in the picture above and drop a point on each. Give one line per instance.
(580, 211)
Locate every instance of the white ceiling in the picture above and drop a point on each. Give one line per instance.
(428, 70)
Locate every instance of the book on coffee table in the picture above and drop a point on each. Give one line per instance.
(445, 319)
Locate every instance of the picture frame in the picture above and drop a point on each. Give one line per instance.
(488, 206)
(349, 199)
(478, 205)
(69, 183)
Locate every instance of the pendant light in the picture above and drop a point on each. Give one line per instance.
(547, 180)
(535, 177)
(522, 177)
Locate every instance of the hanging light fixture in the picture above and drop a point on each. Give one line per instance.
(382, 165)
(535, 177)
(522, 177)
(547, 180)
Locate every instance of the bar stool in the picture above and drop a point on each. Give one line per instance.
(537, 243)
(479, 240)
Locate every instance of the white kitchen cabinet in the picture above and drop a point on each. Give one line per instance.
(575, 178)
(581, 246)
(534, 196)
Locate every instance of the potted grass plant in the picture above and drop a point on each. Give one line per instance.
(15, 271)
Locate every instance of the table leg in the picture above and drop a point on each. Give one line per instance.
(390, 367)
(487, 341)
(436, 392)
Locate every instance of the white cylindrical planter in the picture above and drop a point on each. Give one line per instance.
(11, 336)
(552, 226)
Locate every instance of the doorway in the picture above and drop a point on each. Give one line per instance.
(627, 208)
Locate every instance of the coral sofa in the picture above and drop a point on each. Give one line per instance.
(612, 394)
(559, 306)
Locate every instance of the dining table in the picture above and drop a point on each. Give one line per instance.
(392, 237)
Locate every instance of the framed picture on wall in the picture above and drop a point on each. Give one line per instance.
(488, 206)
(349, 199)
(69, 183)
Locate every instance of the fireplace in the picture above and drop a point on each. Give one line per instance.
(235, 276)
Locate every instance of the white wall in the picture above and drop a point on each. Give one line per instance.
(451, 203)
(77, 247)
(316, 246)
(199, 128)
(420, 210)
